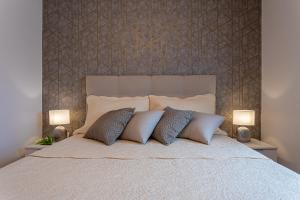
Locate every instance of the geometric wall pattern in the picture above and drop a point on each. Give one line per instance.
(152, 37)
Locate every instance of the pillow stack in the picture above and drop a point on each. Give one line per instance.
(169, 117)
(99, 105)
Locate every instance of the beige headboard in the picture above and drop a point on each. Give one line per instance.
(180, 86)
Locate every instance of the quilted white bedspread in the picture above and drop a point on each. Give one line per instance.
(81, 169)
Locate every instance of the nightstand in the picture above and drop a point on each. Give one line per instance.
(29, 149)
(263, 148)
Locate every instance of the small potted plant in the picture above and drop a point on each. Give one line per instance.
(48, 140)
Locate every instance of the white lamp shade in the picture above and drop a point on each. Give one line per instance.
(59, 117)
(244, 117)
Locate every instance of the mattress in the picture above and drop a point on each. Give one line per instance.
(79, 169)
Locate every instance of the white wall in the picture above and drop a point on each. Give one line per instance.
(281, 79)
(20, 75)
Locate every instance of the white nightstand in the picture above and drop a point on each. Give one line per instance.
(263, 148)
(29, 149)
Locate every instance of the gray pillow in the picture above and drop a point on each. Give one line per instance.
(171, 124)
(110, 126)
(141, 126)
(202, 127)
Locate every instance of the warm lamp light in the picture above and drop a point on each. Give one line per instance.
(59, 117)
(244, 118)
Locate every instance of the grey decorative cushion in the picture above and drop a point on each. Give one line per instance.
(171, 124)
(141, 126)
(110, 126)
(202, 127)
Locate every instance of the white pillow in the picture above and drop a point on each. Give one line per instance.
(98, 105)
(220, 132)
(200, 103)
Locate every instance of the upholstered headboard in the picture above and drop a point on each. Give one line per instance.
(180, 86)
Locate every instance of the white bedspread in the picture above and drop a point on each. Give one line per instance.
(79, 169)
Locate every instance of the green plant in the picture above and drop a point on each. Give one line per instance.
(48, 140)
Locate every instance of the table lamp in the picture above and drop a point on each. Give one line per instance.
(244, 118)
(59, 117)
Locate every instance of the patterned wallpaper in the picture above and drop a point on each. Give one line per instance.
(147, 37)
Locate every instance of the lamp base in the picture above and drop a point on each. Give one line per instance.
(59, 133)
(244, 135)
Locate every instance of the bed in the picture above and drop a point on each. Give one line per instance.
(77, 168)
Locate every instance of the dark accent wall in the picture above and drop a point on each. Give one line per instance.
(145, 37)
